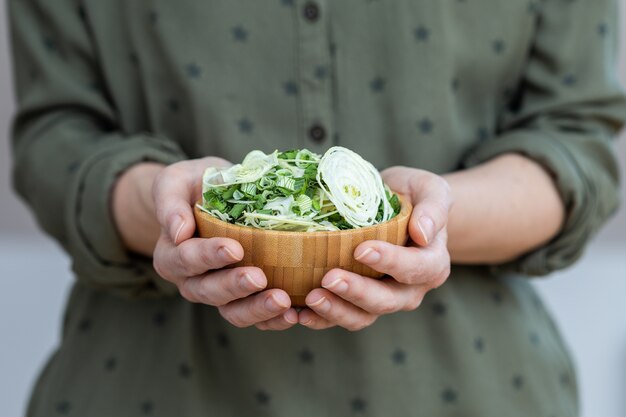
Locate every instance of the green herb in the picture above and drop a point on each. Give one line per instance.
(298, 190)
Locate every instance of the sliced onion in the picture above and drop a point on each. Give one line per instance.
(354, 186)
(254, 166)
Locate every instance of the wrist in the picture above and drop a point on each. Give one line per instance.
(505, 207)
(133, 207)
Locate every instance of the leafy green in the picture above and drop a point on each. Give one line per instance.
(287, 196)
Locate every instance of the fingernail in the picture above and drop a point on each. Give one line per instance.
(226, 254)
(321, 305)
(289, 319)
(427, 227)
(175, 228)
(368, 256)
(337, 286)
(274, 304)
(308, 322)
(254, 283)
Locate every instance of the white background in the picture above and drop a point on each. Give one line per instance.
(588, 301)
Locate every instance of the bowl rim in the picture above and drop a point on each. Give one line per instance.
(406, 208)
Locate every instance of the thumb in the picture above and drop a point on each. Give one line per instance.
(430, 214)
(173, 193)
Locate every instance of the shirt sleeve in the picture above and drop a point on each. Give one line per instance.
(565, 114)
(69, 145)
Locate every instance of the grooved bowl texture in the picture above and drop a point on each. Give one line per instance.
(297, 261)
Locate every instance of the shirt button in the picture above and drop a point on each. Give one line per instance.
(311, 12)
(317, 133)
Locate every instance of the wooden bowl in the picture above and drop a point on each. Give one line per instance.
(297, 261)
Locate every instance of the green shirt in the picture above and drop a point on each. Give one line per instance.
(439, 85)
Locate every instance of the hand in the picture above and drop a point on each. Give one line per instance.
(353, 301)
(196, 265)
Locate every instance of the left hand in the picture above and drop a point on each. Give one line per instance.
(353, 301)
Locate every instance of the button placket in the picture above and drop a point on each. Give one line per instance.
(315, 96)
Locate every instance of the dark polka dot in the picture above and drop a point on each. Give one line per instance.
(153, 17)
(84, 325)
(534, 338)
(110, 363)
(421, 33)
(377, 84)
(449, 396)
(564, 379)
(291, 88)
(159, 318)
(146, 407)
(358, 404)
(498, 46)
(223, 340)
(533, 8)
(287, 2)
(439, 309)
(240, 34)
(71, 168)
(262, 397)
(568, 80)
(482, 133)
(425, 126)
(49, 44)
(62, 407)
(184, 370)
(517, 381)
(193, 70)
(602, 29)
(321, 72)
(245, 125)
(173, 105)
(455, 84)
(133, 58)
(479, 344)
(398, 356)
(306, 356)
(496, 297)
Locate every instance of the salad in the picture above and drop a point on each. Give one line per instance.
(298, 190)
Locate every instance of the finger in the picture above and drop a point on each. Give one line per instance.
(337, 310)
(430, 211)
(223, 286)
(194, 256)
(282, 322)
(375, 296)
(175, 191)
(312, 320)
(256, 308)
(408, 265)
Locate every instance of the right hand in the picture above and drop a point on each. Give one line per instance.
(196, 265)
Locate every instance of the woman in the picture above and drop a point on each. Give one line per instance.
(495, 117)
